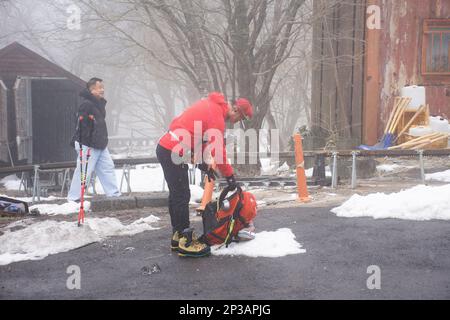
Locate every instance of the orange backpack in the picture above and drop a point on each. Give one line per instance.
(223, 219)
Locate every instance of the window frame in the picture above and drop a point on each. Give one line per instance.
(427, 23)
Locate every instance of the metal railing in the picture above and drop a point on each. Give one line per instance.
(127, 163)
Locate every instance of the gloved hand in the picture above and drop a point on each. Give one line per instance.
(232, 184)
(210, 173)
(203, 167)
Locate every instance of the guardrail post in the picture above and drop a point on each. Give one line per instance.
(23, 182)
(334, 176)
(422, 166)
(36, 185)
(354, 154)
(66, 181)
(126, 174)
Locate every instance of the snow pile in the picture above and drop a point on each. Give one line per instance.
(144, 178)
(270, 244)
(283, 168)
(309, 172)
(11, 182)
(196, 194)
(39, 240)
(439, 176)
(67, 208)
(272, 168)
(386, 168)
(418, 203)
(267, 167)
(30, 199)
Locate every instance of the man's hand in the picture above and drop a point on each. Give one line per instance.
(210, 173)
(203, 167)
(231, 180)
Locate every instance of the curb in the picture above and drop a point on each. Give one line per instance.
(153, 200)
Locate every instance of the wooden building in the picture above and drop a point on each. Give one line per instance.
(38, 104)
(358, 71)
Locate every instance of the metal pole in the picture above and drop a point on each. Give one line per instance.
(65, 181)
(422, 166)
(334, 176)
(22, 183)
(128, 177)
(36, 186)
(10, 155)
(123, 175)
(354, 154)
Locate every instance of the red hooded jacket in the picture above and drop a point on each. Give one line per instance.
(211, 112)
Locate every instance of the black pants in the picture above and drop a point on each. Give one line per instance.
(177, 178)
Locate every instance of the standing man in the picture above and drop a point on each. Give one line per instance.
(94, 135)
(209, 113)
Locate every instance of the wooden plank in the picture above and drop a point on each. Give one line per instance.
(345, 55)
(358, 69)
(372, 84)
(316, 92)
(328, 106)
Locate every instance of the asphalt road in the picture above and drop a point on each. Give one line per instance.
(413, 258)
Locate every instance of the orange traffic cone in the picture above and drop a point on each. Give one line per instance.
(302, 187)
(208, 192)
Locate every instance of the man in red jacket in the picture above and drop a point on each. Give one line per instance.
(186, 136)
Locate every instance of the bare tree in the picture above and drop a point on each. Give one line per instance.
(233, 46)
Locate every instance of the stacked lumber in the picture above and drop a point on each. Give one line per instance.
(420, 113)
(429, 141)
(400, 105)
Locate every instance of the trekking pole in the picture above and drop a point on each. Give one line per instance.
(84, 176)
(81, 213)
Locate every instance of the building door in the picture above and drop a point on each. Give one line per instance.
(55, 103)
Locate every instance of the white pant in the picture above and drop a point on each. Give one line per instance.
(101, 162)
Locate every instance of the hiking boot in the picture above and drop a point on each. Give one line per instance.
(174, 243)
(190, 246)
(175, 240)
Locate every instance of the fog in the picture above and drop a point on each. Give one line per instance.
(157, 57)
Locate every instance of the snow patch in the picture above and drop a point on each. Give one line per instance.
(270, 244)
(391, 168)
(283, 168)
(67, 208)
(196, 194)
(39, 240)
(309, 172)
(144, 178)
(439, 176)
(418, 203)
(11, 182)
(30, 199)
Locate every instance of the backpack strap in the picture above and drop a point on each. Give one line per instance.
(225, 192)
(236, 214)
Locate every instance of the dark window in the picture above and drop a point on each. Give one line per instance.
(435, 47)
